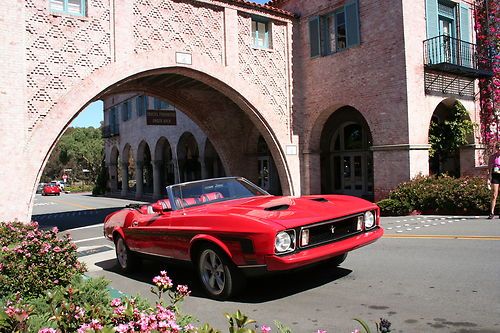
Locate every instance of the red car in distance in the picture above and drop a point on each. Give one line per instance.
(229, 228)
(51, 189)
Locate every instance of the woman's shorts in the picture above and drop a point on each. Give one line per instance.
(495, 178)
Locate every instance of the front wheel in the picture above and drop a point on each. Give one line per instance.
(336, 261)
(218, 275)
(125, 258)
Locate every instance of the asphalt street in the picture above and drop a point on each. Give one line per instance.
(427, 274)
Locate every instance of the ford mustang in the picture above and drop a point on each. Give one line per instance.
(229, 228)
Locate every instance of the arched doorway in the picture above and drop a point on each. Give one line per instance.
(164, 162)
(128, 170)
(114, 169)
(346, 158)
(448, 121)
(213, 164)
(144, 170)
(188, 158)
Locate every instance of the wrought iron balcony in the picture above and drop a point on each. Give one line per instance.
(452, 55)
(110, 131)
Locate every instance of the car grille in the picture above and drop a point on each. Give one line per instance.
(321, 233)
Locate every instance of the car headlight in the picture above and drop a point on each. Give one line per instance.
(369, 220)
(285, 241)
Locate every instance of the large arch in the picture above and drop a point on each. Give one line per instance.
(110, 78)
(317, 150)
(456, 163)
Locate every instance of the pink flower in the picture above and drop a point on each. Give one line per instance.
(183, 290)
(47, 330)
(321, 331)
(356, 331)
(116, 302)
(57, 249)
(265, 329)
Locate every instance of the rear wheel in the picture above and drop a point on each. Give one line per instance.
(218, 275)
(125, 258)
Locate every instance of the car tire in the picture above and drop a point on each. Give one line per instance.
(126, 259)
(220, 278)
(336, 261)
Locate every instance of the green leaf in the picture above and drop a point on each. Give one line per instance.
(365, 325)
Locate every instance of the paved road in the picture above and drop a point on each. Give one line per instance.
(428, 274)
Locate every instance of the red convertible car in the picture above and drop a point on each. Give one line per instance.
(50, 189)
(229, 228)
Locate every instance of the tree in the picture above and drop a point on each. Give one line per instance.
(84, 147)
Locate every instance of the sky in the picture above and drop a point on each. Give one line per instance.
(93, 114)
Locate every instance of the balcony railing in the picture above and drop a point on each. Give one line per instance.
(110, 131)
(448, 54)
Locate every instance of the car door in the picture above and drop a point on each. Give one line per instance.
(146, 231)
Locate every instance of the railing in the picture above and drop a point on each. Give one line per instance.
(449, 50)
(110, 131)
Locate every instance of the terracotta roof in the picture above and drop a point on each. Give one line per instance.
(266, 7)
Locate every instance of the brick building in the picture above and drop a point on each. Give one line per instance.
(341, 93)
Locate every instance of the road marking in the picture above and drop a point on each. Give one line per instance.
(99, 225)
(75, 205)
(89, 239)
(491, 238)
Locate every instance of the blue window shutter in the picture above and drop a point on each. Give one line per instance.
(314, 37)
(465, 22)
(352, 23)
(431, 17)
(325, 34)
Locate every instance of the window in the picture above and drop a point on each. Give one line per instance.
(71, 7)
(141, 105)
(334, 31)
(261, 33)
(126, 111)
(113, 121)
(448, 18)
(161, 104)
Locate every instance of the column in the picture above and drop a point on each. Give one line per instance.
(177, 175)
(139, 178)
(124, 179)
(157, 169)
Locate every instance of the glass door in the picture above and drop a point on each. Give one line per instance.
(446, 33)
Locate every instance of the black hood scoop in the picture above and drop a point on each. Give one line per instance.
(277, 207)
(319, 199)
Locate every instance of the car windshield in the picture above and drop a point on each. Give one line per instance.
(213, 190)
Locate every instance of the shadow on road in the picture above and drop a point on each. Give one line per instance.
(73, 219)
(257, 290)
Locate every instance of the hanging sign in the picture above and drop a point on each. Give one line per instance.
(161, 117)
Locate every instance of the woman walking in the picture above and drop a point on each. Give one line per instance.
(494, 177)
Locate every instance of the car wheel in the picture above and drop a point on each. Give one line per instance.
(125, 258)
(336, 261)
(219, 276)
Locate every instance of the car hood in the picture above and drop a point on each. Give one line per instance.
(291, 212)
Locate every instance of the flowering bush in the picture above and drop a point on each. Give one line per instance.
(33, 260)
(487, 26)
(440, 195)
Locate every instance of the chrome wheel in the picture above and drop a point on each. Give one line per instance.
(212, 272)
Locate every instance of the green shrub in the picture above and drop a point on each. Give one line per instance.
(391, 207)
(438, 195)
(33, 260)
(79, 188)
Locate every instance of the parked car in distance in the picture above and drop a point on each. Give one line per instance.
(50, 189)
(39, 188)
(229, 228)
(59, 183)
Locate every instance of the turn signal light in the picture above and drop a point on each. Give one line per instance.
(304, 239)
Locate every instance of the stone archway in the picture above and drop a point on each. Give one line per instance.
(163, 167)
(452, 163)
(249, 101)
(188, 158)
(144, 170)
(345, 157)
